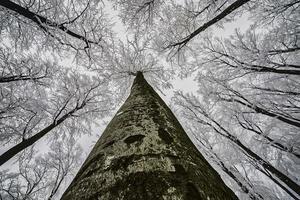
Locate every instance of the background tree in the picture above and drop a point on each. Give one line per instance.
(188, 18)
(44, 176)
(41, 96)
(205, 116)
(75, 28)
(31, 108)
(246, 188)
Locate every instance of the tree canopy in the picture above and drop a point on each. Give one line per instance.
(65, 66)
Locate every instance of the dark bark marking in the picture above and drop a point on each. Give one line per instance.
(165, 136)
(134, 138)
(109, 144)
(122, 162)
(192, 192)
(179, 169)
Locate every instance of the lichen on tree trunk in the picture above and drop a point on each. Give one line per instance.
(144, 153)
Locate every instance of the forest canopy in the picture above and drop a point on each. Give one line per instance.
(66, 65)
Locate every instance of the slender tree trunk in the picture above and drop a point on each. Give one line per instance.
(41, 21)
(144, 153)
(290, 183)
(243, 184)
(19, 78)
(6, 156)
(227, 11)
(292, 121)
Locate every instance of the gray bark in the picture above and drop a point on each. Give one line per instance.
(144, 153)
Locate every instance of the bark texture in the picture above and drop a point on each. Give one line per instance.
(144, 153)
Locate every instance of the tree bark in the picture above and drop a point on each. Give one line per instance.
(144, 153)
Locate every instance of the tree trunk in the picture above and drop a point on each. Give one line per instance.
(41, 21)
(227, 11)
(144, 153)
(6, 156)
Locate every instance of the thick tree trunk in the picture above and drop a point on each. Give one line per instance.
(144, 153)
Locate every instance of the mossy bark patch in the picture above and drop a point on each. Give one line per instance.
(144, 153)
